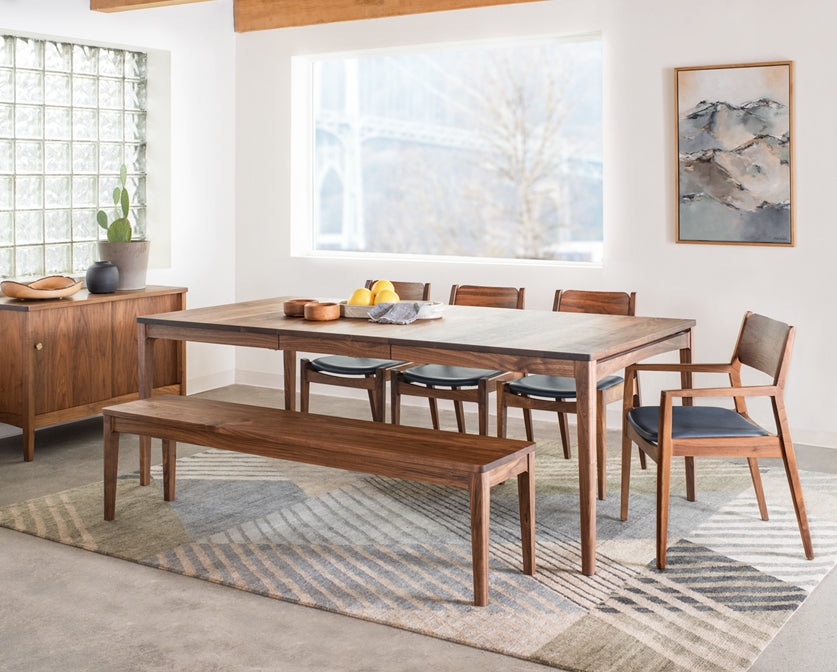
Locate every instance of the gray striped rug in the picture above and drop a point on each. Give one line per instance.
(398, 553)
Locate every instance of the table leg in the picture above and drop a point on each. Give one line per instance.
(585, 386)
(111, 464)
(686, 382)
(146, 383)
(526, 497)
(290, 379)
(480, 508)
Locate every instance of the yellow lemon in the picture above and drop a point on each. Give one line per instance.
(381, 285)
(361, 297)
(386, 296)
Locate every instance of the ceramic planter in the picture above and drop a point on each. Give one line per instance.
(130, 258)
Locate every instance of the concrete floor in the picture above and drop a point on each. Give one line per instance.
(64, 608)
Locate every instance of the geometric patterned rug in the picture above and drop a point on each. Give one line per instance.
(399, 553)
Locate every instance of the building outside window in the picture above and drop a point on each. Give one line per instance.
(70, 116)
(477, 151)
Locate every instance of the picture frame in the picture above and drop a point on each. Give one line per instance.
(734, 141)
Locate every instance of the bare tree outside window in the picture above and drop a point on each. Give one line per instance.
(486, 152)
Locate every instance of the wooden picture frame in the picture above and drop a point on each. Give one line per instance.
(734, 139)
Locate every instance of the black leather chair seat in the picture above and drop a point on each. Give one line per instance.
(693, 422)
(555, 387)
(447, 376)
(351, 366)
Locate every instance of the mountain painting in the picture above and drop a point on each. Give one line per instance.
(734, 154)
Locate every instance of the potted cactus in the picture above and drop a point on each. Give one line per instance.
(129, 255)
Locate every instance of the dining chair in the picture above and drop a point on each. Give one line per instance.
(365, 373)
(436, 381)
(557, 393)
(669, 430)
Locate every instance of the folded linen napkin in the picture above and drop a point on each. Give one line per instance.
(403, 312)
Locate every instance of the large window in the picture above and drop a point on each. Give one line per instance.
(70, 116)
(481, 151)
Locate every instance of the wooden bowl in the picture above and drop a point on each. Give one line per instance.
(321, 311)
(50, 287)
(295, 307)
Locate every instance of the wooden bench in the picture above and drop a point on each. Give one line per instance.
(467, 461)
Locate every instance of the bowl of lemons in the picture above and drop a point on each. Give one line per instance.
(363, 300)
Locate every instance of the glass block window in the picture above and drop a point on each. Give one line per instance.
(70, 116)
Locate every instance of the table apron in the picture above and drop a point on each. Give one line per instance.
(337, 345)
(203, 335)
(620, 360)
(483, 360)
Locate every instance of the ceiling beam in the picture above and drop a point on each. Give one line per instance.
(267, 14)
(122, 5)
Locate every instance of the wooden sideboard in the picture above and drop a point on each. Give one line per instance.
(65, 359)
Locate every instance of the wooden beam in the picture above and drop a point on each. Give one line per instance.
(268, 14)
(122, 5)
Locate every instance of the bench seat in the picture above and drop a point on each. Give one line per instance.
(468, 461)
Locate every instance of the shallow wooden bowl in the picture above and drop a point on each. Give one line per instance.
(321, 311)
(51, 287)
(295, 307)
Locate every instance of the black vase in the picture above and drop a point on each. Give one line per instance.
(102, 277)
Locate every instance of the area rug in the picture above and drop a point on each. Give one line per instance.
(399, 553)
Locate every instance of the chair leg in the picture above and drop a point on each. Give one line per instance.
(663, 493)
(527, 423)
(627, 444)
(565, 435)
(434, 410)
(601, 447)
(690, 479)
(483, 392)
(373, 401)
(642, 463)
(789, 458)
(395, 398)
(380, 396)
(304, 385)
(756, 476)
(502, 410)
(798, 503)
(460, 415)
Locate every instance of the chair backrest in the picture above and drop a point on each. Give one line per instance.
(766, 345)
(488, 297)
(584, 301)
(408, 291)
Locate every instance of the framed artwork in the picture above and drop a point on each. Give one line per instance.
(735, 154)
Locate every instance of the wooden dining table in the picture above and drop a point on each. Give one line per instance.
(582, 346)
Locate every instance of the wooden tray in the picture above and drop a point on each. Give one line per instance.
(430, 310)
(50, 287)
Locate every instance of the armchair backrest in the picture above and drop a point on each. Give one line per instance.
(487, 297)
(408, 291)
(584, 301)
(766, 345)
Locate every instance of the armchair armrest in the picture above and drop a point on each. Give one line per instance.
(751, 391)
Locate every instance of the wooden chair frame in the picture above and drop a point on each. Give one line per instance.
(470, 295)
(575, 301)
(373, 383)
(752, 349)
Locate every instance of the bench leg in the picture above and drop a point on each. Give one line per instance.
(526, 496)
(480, 508)
(169, 460)
(145, 459)
(111, 460)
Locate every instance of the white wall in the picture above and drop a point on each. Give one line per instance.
(197, 142)
(643, 41)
